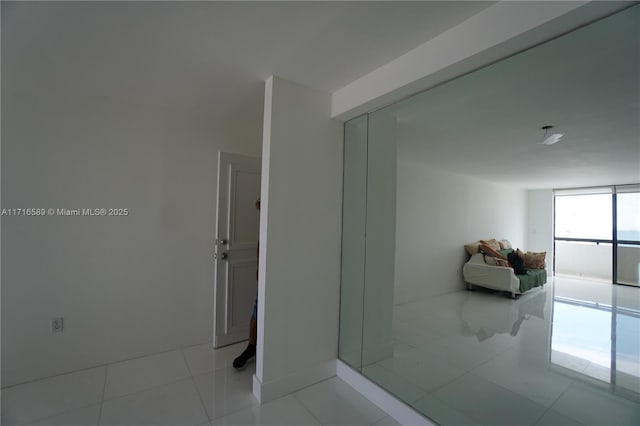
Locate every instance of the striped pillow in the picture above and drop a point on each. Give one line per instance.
(491, 252)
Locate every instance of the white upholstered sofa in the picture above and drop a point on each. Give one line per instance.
(477, 272)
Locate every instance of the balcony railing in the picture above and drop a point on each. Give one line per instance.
(594, 260)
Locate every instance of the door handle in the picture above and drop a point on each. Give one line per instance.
(222, 241)
(224, 256)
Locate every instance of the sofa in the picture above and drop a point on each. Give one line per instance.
(481, 270)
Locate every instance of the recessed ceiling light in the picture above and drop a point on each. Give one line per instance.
(550, 139)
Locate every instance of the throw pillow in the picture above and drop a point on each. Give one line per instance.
(490, 260)
(491, 252)
(534, 260)
(502, 262)
(520, 253)
(472, 248)
(505, 244)
(493, 243)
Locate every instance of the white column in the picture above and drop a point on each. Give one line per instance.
(299, 265)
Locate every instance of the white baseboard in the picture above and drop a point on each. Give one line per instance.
(265, 392)
(401, 412)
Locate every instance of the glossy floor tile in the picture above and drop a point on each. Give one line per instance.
(425, 370)
(462, 351)
(333, 402)
(393, 383)
(482, 359)
(487, 403)
(37, 400)
(226, 391)
(412, 334)
(593, 406)
(168, 405)
(400, 346)
(204, 359)
(442, 413)
(138, 374)
(525, 376)
(386, 421)
(77, 417)
(471, 352)
(158, 394)
(553, 418)
(286, 411)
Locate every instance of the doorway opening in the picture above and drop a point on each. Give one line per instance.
(236, 244)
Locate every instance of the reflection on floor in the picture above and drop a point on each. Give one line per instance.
(567, 354)
(190, 387)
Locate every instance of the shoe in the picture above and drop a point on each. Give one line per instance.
(241, 361)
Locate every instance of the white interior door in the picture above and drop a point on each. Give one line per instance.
(237, 231)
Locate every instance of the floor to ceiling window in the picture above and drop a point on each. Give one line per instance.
(627, 225)
(597, 233)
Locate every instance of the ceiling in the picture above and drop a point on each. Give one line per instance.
(213, 57)
(487, 124)
(209, 56)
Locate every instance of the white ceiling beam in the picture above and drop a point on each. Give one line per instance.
(501, 30)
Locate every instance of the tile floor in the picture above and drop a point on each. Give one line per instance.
(465, 358)
(473, 358)
(195, 386)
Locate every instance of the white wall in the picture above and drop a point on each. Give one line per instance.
(540, 223)
(300, 228)
(437, 213)
(126, 286)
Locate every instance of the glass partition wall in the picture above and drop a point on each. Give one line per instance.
(354, 210)
(368, 244)
(449, 166)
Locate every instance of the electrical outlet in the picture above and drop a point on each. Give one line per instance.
(57, 325)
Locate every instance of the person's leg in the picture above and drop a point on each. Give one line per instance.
(250, 351)
(253, 332)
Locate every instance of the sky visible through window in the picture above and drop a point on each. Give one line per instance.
(629, 216)
(590, 216)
